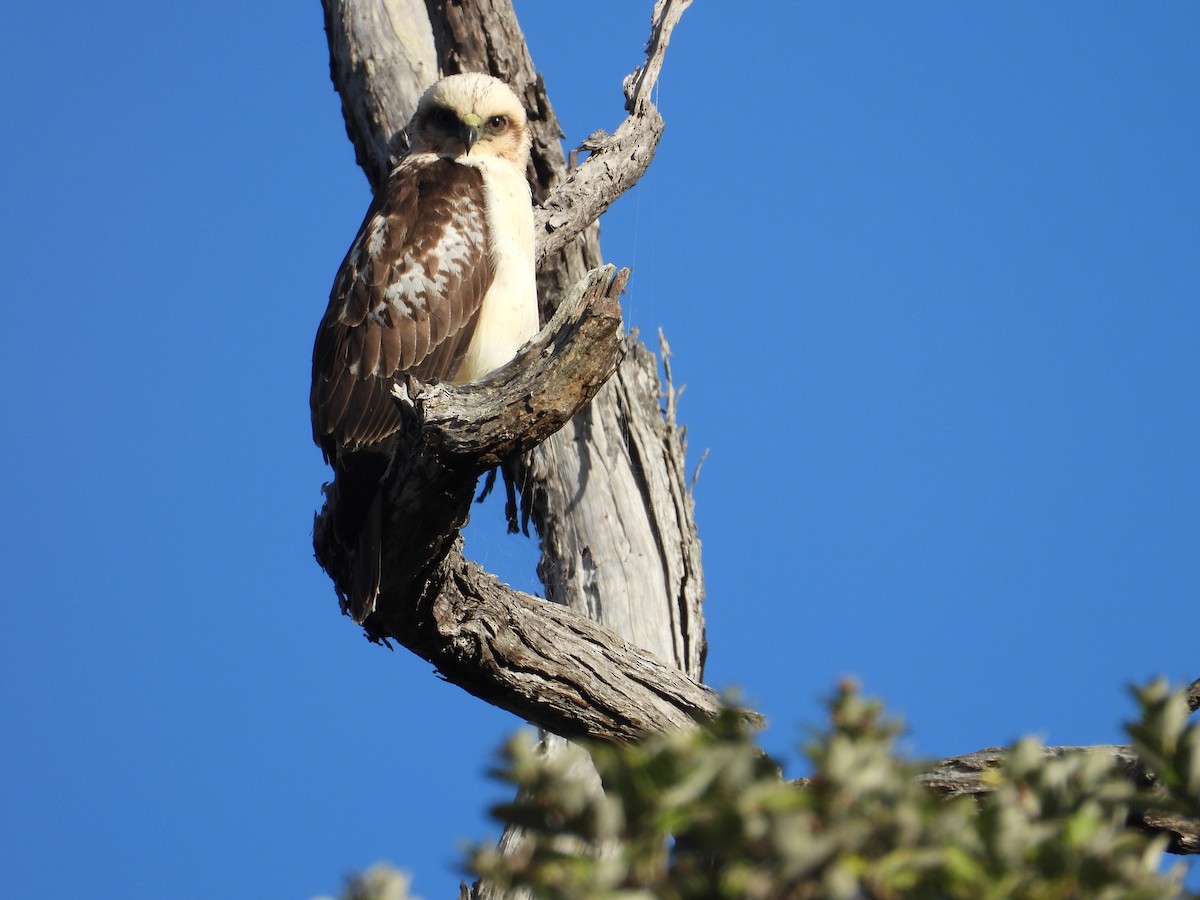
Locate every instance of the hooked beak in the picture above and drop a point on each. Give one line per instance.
(470, 131)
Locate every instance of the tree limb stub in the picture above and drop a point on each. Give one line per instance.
(639, 83)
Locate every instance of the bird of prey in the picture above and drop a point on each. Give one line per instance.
(438, 283)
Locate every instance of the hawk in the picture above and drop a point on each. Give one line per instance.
(438, 283)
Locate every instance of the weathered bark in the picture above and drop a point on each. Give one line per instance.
(550, 665)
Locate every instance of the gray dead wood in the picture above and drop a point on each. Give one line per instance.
(550, 665)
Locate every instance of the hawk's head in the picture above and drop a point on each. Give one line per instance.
(471, 113)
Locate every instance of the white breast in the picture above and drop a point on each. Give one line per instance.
(509, 314)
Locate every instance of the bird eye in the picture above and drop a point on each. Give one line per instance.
(497, 124)
(442, 118)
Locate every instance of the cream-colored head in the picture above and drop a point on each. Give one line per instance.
(471, 115)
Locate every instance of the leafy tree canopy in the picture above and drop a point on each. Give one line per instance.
(705, 813)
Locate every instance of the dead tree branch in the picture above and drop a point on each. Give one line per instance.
(617, 161)
(541, 661)
(547, 664)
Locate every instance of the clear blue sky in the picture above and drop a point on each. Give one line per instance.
(931, 274)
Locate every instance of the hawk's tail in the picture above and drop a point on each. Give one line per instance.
(348, 533)
(365, 576)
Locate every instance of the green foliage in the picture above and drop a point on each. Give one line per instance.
(1168, 748)
(705, 814)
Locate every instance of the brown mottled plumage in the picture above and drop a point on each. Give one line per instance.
(438, 283)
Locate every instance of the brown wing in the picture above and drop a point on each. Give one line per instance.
(405, 300)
